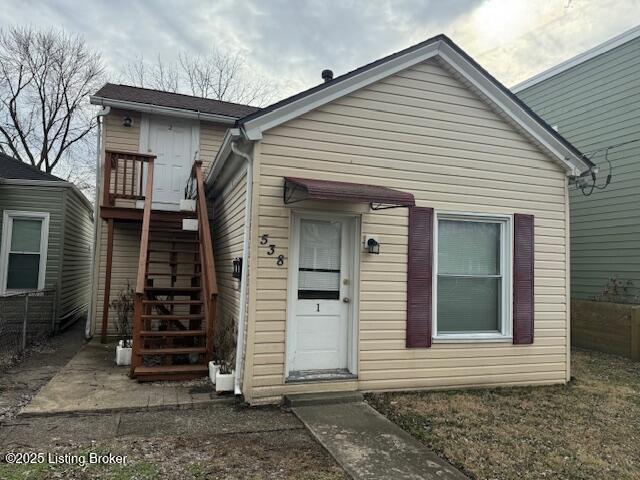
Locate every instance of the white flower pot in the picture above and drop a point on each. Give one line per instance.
(225, 382)
(187, 205)
(123, 354)
(190, 224)
(213, 371)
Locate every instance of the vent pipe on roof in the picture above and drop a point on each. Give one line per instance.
(327, 75)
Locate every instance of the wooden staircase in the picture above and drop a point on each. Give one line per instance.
(175, 295)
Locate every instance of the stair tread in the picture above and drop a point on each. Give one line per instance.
(171, 250)
(186, 316)
(172, 302)
(172, 333)
(171, 351)
(171, 230)
(168, 274)
(172, 289)
(171, 368)
(173, 240)
(169, 262)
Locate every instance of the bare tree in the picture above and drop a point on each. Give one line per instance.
(45, 79)
(219, 75)
(158, 75)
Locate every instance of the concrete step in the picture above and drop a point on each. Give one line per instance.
(306, 399)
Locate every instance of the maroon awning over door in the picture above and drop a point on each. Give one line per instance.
(297, 189)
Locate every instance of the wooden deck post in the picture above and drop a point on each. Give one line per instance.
(107, 282)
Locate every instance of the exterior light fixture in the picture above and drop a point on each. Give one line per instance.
(127, 121)
(237, 268)
(372, 245)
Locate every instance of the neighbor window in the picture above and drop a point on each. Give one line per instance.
(472, 285)
(24, 250)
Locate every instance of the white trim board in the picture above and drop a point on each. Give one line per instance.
(446, 52)
(578, 59)
(7, 230)
(160, 110)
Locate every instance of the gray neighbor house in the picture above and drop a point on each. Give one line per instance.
(46, 238)
(593, 100)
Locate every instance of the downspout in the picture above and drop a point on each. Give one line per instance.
(96, 205)
(243, 279)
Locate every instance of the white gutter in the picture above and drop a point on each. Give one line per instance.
(160, 110)
(223, 154)
(96, 220)
(242, 314)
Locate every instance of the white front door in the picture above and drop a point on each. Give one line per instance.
(322, 290)
(173, 141)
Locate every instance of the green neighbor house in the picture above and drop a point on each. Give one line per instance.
(593, 100)
(46, 239)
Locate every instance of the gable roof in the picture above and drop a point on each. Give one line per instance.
(135, 98)
(604, 47)
(18, 170)
(457, 61)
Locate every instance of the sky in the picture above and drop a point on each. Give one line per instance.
(289, 42)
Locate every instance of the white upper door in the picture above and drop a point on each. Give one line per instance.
(322, 291)
(174, 142)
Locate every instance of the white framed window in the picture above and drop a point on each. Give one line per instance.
(23, 257)
(472, 277)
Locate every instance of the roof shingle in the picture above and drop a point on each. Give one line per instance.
(147, 96)
(15, 169)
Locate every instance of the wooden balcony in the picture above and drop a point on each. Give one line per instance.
(124, 186)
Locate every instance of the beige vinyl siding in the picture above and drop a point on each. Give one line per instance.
(229, 199)
(126, 244)
(118, 137)
(75, 274)
(122, 139)
(425, 132)
(211, 136)
(126, 252)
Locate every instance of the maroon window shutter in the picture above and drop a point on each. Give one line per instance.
(523, 244)
(419, 277)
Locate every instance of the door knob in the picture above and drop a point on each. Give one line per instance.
(346, 299)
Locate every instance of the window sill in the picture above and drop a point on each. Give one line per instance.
(465, 339)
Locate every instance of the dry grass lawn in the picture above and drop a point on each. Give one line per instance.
(588, 429)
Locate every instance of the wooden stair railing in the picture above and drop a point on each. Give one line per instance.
(206, 257)
(142, 268)
(124, 176)
(175, 294)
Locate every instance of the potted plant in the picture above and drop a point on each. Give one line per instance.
(225, 348)
(123, 305)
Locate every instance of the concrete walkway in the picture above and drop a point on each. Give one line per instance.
(91, 382)
(21, 382)
(368, 446)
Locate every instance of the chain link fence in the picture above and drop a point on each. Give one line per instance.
(24, 319)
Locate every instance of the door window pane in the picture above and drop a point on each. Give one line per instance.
(319, 262)
(25, 235)
(23, 271)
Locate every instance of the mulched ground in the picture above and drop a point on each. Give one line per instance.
(588, 429)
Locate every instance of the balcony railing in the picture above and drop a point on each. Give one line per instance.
(124, 177)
